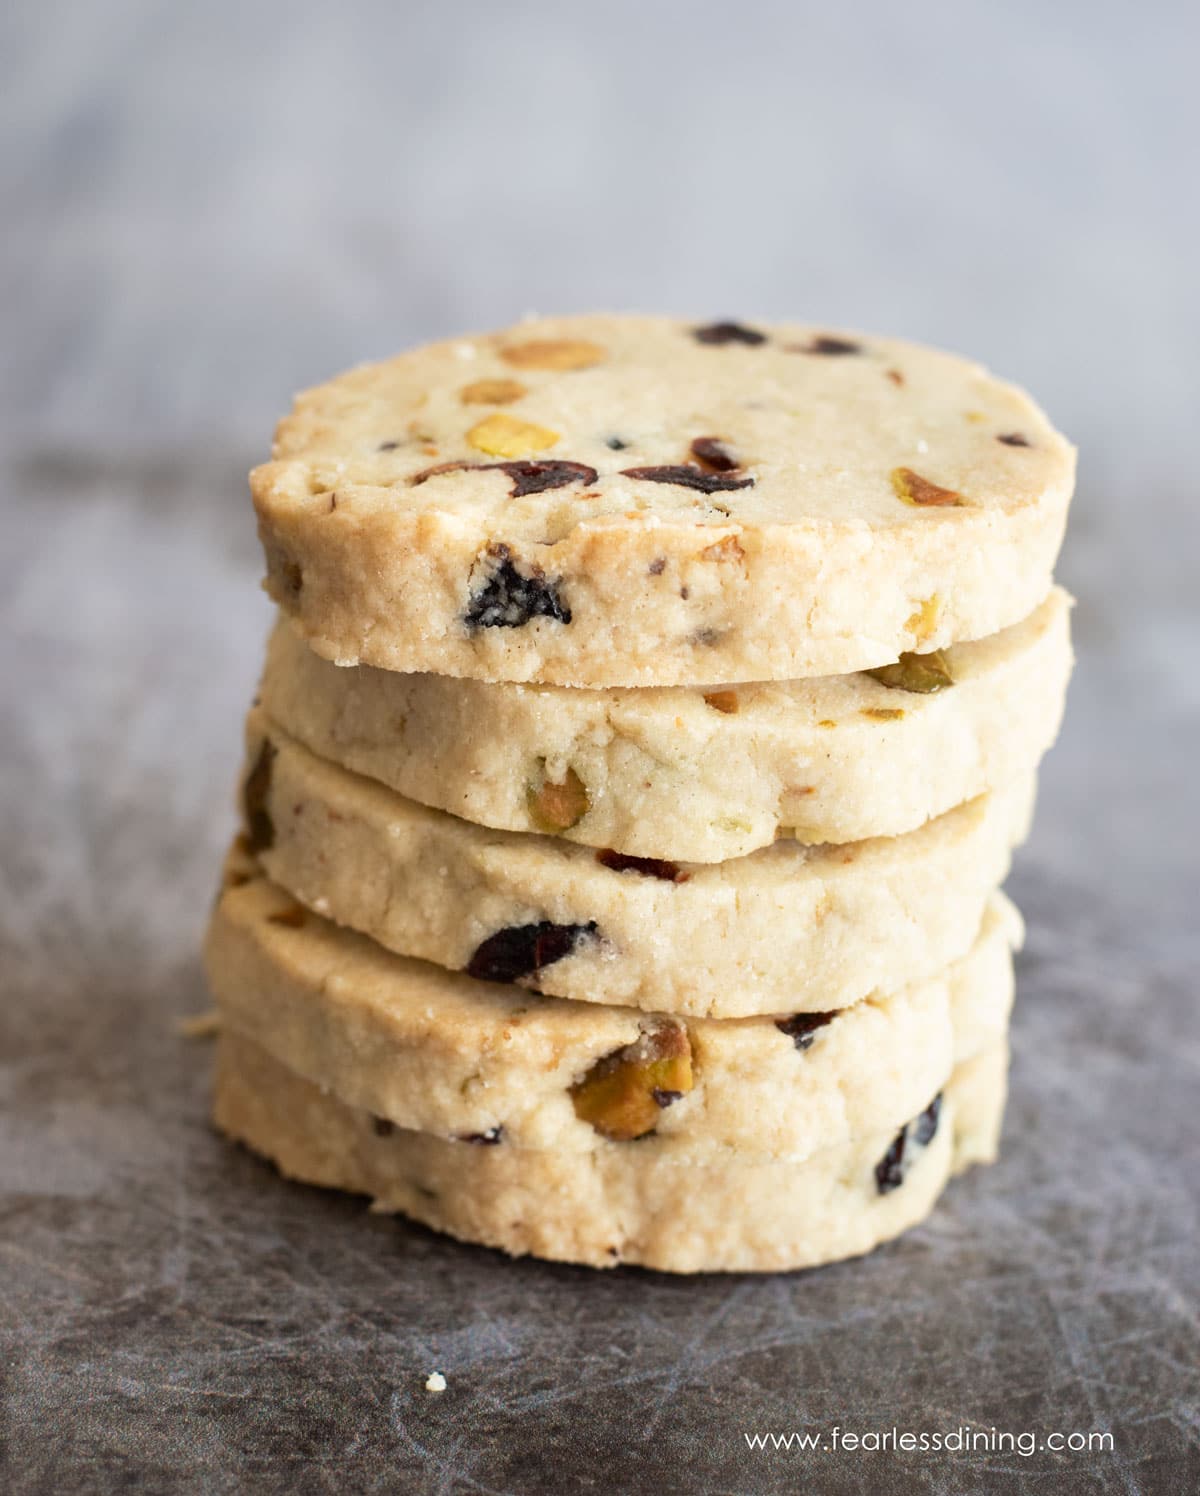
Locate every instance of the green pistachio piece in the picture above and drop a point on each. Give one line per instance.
(922, 673)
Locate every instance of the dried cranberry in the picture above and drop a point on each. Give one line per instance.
(652, 867)
(802, 1028)
(686, 475)
(891, 1169)
(523, 950)
(260, 828)
(926, 1125)
(1014, 439)
(712, 453)
(718, 333)
(831, 347)
(509, 599)
(528, 475)
(537, 477)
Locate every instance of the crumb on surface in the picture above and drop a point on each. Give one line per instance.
(435, 1382)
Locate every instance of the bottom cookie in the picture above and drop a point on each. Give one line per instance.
(619, 1205)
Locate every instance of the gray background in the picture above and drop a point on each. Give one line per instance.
(206, 206)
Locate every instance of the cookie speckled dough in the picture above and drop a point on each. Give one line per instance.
(788, 927)
(697, 774)
(435, 1052)
(620, 1204)
(608, 500)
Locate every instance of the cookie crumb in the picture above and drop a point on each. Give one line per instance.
(435, 1382)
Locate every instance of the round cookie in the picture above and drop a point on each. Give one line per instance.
(608, 500)
(786, 929)
(435, 1052)
(692, 774)
(620, 1204)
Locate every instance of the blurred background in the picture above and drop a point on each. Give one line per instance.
(209, 206)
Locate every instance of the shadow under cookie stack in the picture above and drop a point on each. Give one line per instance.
(650, 720)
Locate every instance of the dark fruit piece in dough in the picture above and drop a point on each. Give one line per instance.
(802, 1028)
(717, 334)
(892, 1168)
(688, 475)
(523, 950)
(260, 829)
(509, 598)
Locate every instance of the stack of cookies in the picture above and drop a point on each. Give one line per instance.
(650, 720)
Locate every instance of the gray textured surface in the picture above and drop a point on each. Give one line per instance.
(207, 205)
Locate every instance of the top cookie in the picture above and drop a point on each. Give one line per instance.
(634, 501)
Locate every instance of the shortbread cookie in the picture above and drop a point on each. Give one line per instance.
(696, 774)
(787, 928)
(600, 501)
(619, 1203)
(435, 1052)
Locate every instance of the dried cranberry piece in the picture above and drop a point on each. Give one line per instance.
(925, 1126)
(688, 476)
(802, 1028)
(718, 333)
(528, 475)
(712, 453)
(826, 344)
(523, 950)
(509, 599)
(537, 477)
(891, 1169)
(652, 867)
(260, 828)
(1014, 439)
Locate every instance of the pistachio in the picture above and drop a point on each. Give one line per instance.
(505, 436)
(913, 489)
(923, 623)
(491, 392)
(922, 673)
(558, 807)
(623, 1093)
(554, 353)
